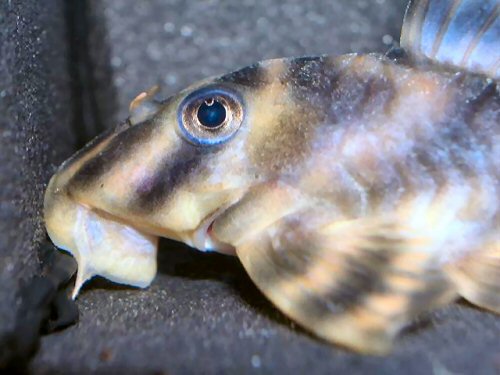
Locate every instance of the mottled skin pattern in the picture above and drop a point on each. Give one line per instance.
(358, 140)
(358, 192)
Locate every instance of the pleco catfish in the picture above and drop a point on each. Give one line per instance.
(357, 191)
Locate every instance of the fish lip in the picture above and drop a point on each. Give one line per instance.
(202, 238)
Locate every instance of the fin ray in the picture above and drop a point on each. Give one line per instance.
(464, 34)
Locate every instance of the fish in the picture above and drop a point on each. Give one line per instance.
(359, 191)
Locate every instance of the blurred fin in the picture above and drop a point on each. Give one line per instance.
(356, 283)
(464, 34)
(478, 277)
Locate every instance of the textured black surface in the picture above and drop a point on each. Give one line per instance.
(34, 135)
(202, 314)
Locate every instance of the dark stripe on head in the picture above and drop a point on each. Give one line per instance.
(172, 172)
(119, 148)
(305, 71)
(311, 80)
(340, 94)
(253, 76)
(94, 143)
(363, 93)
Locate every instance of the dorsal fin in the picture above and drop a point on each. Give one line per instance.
(464, 34)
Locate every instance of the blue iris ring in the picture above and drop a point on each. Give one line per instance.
(210, 116)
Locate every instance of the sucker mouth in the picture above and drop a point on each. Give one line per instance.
(202, 238)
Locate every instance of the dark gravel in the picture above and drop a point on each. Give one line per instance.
(67, 72)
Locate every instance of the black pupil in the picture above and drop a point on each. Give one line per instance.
(211, 113)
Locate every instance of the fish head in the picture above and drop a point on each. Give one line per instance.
(170, 175)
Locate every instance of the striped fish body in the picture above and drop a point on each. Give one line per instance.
(358, 191)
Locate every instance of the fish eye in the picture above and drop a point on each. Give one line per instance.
(212, 113)
(210, 116)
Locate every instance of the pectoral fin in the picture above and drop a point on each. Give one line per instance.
(477, 277)
(356, 283)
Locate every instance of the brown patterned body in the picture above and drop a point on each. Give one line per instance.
(358, 191)
(382, 128)
(379, 136)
